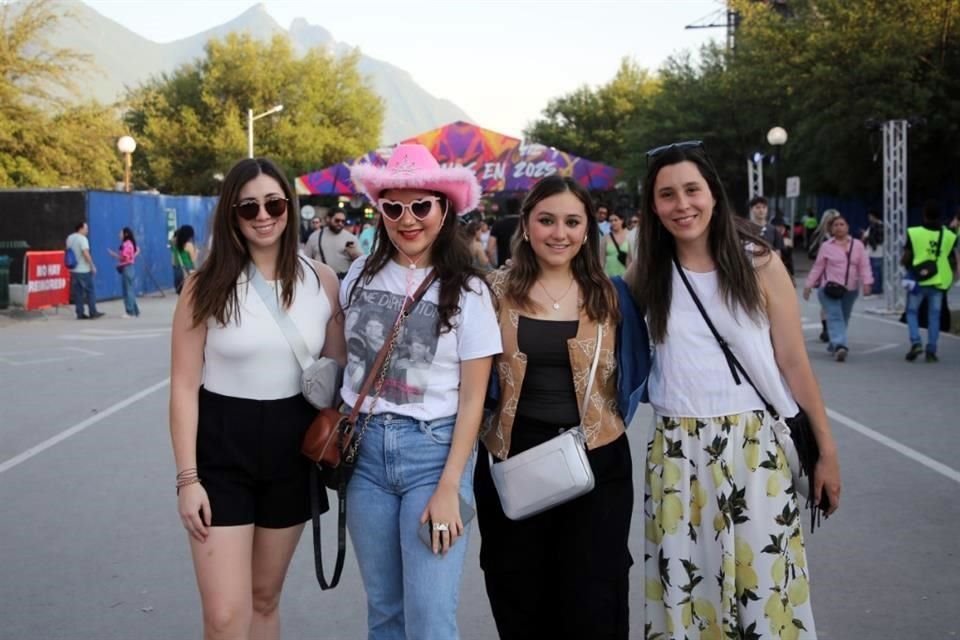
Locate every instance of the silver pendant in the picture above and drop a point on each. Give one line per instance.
(556, 306)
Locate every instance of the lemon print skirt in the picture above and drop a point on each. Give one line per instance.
(724, 547)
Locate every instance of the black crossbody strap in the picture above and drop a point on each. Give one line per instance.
(846, 276)
(323, 258)
(939, 242)
(732, 361)
(318, 504)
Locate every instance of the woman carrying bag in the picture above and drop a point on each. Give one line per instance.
(411, 491)
(237, 415)
(724, 548)
(562, 573)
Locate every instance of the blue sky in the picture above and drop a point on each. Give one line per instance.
(501, 61)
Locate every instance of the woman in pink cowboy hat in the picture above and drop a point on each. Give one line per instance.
(418, 425)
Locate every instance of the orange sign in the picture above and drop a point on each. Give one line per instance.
(48, 280)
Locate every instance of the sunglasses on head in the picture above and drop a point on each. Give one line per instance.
(249, 209)
(419, 208)
(678, 146)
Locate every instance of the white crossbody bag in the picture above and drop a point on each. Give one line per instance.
(550, 473)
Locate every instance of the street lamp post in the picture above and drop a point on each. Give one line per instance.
(777, 137)
(250, 118)
(126, 145)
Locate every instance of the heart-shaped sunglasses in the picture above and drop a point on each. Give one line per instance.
(419, 208)
(249, 209)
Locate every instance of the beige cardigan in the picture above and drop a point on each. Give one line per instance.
(602, 422)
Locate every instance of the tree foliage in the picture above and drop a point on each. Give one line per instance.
(45, 139)
(823, 70)
(192, 124)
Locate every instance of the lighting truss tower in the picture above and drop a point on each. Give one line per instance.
(755, 175)
(894, 210)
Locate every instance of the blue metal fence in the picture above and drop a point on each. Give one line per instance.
(151, 217)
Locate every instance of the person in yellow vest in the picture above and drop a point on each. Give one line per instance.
(929, 256)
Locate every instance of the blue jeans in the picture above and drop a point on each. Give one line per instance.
(127, 276)
(838, 312)
(411, 593)
(876, 265)
(81, 285)
(934, 299)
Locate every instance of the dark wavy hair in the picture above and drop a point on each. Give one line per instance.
(599, 296)
(449, 256)
(215, 287)
(651, 274)
(128, 235)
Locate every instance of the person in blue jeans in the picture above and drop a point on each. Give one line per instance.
(418, 427)
(928, 243)
(126, 255)
(842, 260)
(81, 275)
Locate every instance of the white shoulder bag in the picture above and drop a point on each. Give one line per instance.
(321, 377)
(550, 473)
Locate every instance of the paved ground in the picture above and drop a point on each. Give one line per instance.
(91, 548)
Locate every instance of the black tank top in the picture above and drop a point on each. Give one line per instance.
(548, 394)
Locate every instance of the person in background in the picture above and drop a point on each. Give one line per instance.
(759, 213)
(502, 234)
(602, 221)
(786, 243)
(563, 573)
(183, 252)
(473, 232)
(929, 242)
(126, 256)
(843, 260)
(485, 228)
(872, 237)
(334, 246)
(81, 276)
(416, 457)
(809, 222)
(237, 415)
(616, 248)
(815, 238)
(724, 553)
(368, 234)
(315, 223)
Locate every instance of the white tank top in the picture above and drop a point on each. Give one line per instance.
(251, 358)
(690, 376)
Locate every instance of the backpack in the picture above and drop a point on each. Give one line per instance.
(69, 259)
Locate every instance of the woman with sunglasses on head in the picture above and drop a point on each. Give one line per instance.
(237, 417)
(564, 572)
(418, 427)
(725, 553)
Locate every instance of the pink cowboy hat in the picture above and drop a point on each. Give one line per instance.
(412, 166)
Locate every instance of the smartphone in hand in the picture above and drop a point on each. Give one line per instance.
(426, 529)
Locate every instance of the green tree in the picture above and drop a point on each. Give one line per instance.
(593, 123)
(192, 124)
(45, 139)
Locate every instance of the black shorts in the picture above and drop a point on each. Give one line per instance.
(249, 460)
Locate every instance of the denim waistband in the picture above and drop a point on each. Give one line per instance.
(397, 420)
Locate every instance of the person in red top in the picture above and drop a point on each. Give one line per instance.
(842, 268)
(126, 256)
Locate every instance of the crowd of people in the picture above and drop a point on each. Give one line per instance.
(468, 343)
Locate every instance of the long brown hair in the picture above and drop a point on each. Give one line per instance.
(599, 296)
(215, 288)
(449, 256)
(651, 273)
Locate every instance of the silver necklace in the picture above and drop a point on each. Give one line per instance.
(556, 301)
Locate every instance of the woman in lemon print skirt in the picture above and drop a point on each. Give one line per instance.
(724, 549)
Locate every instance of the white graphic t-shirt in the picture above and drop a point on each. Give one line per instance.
(423, 377)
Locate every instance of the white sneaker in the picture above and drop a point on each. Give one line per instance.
(124, 315)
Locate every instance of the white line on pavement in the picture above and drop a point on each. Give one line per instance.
(897, 323)
(77, 428)
(913, 454)
(883, 347)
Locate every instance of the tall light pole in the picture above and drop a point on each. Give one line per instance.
(250, 118)
(126, 145)
(777, 137)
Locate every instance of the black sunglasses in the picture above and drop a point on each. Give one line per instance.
(679, 146)
(249, 209)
